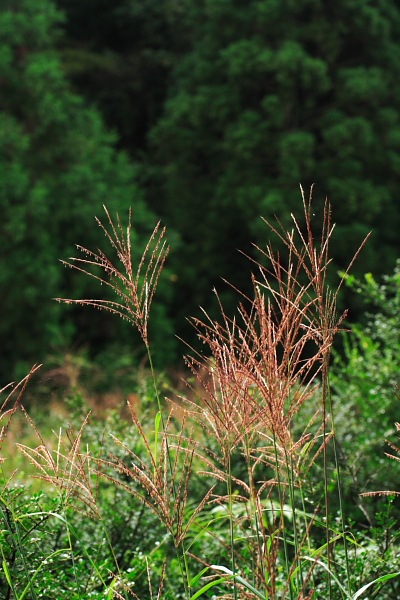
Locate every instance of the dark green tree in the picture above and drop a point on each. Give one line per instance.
(244, 101)
(119, 54)
(58, 165)
(272, 94)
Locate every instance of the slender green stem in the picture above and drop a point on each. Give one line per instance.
(231, 526)
(254, 512)
(306, 524)
(290, 472)
(326, 479)
(282, 505)
(181, 554)
(71, 549)
(107, 535)
(340, 497)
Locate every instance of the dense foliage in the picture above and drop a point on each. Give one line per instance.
(224, 107)
(58, 165)
(252, 487)
(208, 114)
(236, 103)
(366, 382)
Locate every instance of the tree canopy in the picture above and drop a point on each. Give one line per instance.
(224, 106)
(273, 94)
(58, 165)
(249, 99)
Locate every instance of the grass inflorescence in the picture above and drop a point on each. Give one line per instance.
(244, 492)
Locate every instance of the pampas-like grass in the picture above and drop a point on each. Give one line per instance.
(257, 371)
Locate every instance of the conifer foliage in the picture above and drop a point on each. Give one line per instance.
(58, 165)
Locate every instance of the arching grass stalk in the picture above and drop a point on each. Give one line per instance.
(64, 500)
(181, 555)
(326, 479)
(314, 258)
(136, 289)
(71, 473)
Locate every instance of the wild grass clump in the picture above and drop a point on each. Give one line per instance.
(244, 495)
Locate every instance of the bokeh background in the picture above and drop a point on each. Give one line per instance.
(206, 114)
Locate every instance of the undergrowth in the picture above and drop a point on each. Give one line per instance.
(237, 489)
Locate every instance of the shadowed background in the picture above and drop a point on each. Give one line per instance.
(206, 114)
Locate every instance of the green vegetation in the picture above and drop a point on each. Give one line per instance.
(228, 105)
(244, 488)
(58, 166)
(264, 474)
(206, 114)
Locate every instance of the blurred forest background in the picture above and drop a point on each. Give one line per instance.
(204, 113)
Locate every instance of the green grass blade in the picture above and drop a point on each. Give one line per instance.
(196, 578)
(207, 587)
(365, 587)
(324, 566)
(7, 574)
(240, 579)
(110, 594)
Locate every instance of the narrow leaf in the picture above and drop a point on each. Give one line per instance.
(196, 578)
(365, 587)
(240, 580)
(207, 587)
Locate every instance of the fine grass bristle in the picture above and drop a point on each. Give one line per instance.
(15, 393)
(242, 474)
(135, 289)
